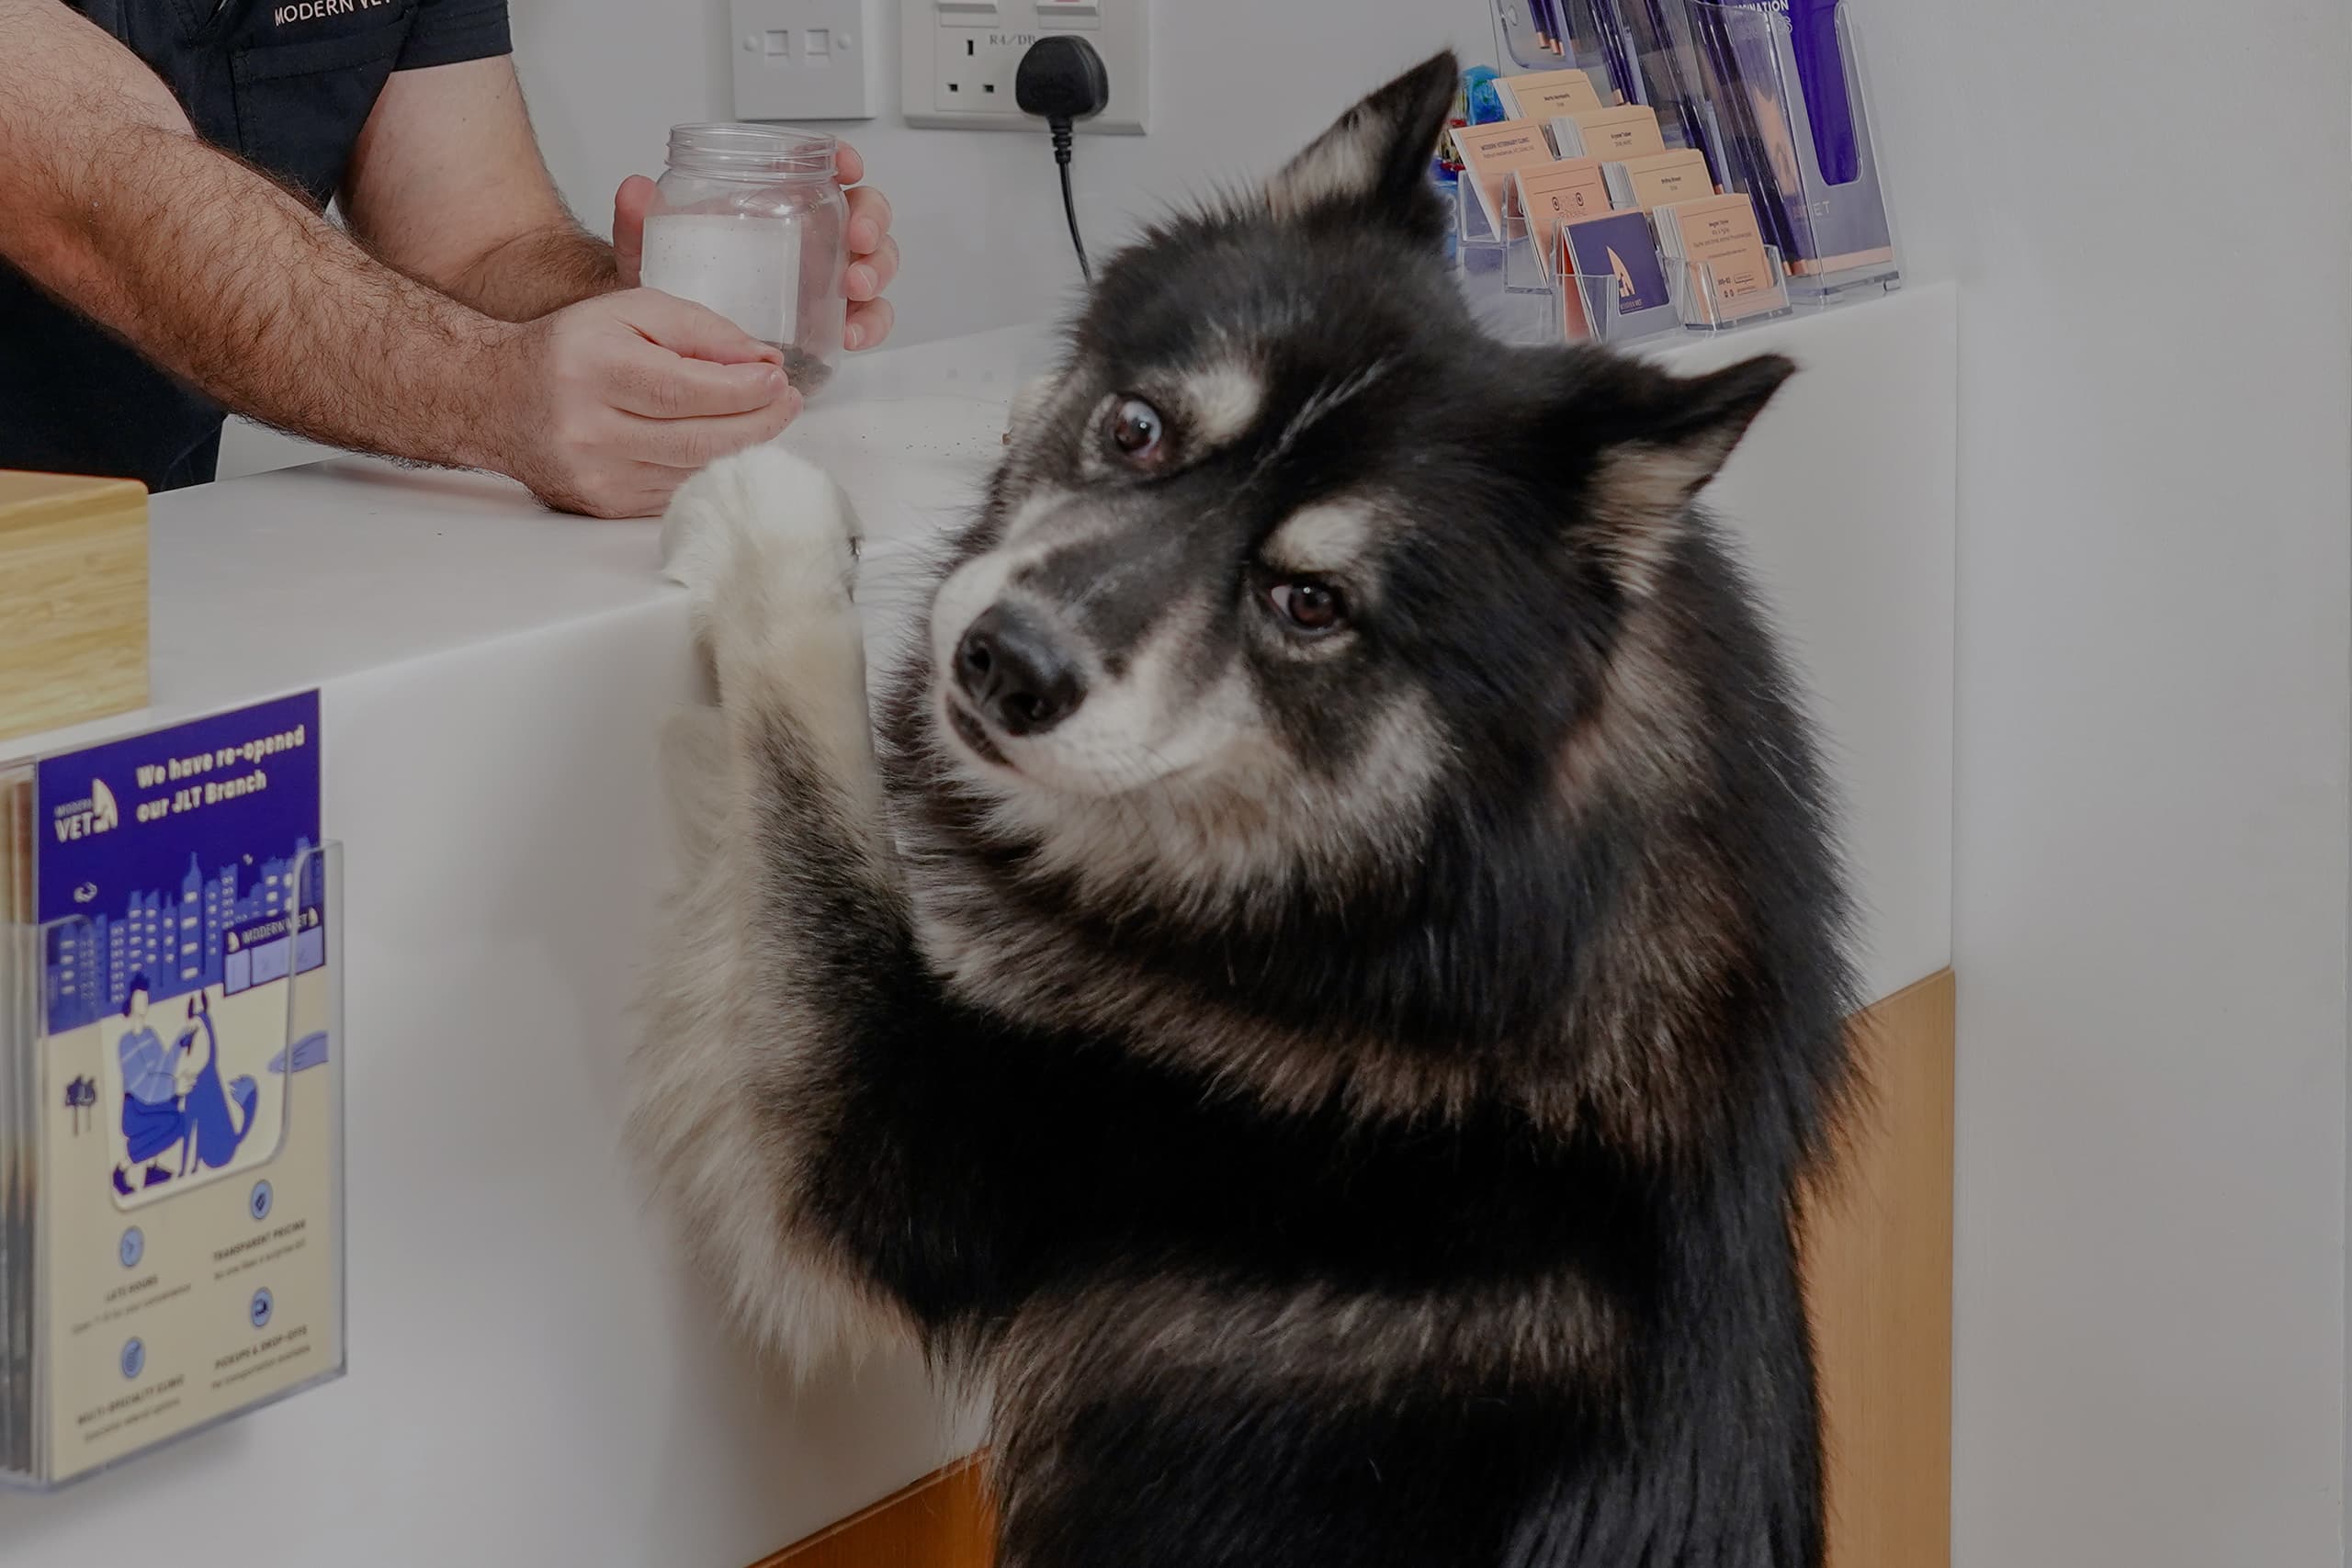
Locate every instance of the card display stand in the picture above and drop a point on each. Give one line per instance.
(1706, 304)
(1545, 35)
(1517, 300)
(1782, 120)
(196, 1321)
(1635, 51)
(1792, 127)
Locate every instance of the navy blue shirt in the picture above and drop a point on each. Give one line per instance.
(288, 84)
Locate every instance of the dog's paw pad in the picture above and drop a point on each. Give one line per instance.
(761, 518)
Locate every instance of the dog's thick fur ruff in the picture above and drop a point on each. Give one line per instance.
(1345, 1087)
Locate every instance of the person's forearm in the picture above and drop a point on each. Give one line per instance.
(446, 183)
(533, 274)
(213, 271)
(231, 283)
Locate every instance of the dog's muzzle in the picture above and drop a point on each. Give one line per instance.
(1016, 674)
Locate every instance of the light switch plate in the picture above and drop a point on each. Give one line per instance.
(956, 59)
(806, 59)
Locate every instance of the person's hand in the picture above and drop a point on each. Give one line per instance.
(873, 253)
(607, 406)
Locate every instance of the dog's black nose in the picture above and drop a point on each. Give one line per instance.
(1012, 669)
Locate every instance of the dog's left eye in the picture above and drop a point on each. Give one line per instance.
(1137, 431)
(1307, 604)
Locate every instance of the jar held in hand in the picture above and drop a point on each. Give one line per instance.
(749, 220)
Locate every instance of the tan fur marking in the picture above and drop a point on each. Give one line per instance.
(1343, 162)
(1329, 537)
(1639, 497)
(1220, 400)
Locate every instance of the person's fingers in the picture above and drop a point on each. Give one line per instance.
(684, 327)
(868, 324)
(849, 167)
(866, 279)
(690, 444)
(657, 384)
(869, 221)
(631, 204)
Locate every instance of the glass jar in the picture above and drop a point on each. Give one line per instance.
(749, 220)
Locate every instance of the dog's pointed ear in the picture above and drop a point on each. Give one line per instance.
(1376, 158)
(1655, 440)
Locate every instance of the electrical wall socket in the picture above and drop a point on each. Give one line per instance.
(956, 59)
(806, 59)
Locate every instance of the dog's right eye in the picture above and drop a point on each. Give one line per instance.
(1137, 432)
(1308, 604)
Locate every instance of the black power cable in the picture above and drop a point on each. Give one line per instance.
(1063, 80)
(1060, 127)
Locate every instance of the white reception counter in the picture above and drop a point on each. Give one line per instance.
(533, 1379)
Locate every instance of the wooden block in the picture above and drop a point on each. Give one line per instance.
(1878, 1267)
(1878, 1274)
(73, 600)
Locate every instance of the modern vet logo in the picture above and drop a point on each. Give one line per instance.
(319, 10)
(80, 818)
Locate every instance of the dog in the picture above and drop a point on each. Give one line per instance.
(1320, 984)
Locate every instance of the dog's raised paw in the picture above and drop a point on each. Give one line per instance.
(763, 521)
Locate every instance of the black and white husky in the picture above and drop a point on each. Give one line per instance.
(1324, 994)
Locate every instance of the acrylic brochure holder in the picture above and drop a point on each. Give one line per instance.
(1710, 303)
(1541, 314)
(1548, 35)
(1515, 301)
(1635, 51)
(1519, 301)
(1787, 96)
(1776, 99)
(210, 1281)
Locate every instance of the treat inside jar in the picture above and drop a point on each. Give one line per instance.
(745, 268)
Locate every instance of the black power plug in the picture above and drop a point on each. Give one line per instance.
(1063, 80)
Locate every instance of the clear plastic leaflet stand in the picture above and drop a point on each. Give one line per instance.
(1634, 50)
(30, 1345)
(1702, 300)
(1547, 35)
(1786, 91)
(1518, 300)
(1708, 303)
(1780, 109)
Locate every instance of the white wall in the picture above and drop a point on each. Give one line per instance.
(2152, 822)
(1236, 87)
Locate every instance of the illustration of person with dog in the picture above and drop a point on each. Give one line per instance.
(172, 1097)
